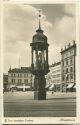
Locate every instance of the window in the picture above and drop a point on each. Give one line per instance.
(67, 78)
(25, 81)
(26, 75)
(71, 61)
(66, 70)
(63, 78)
(71, 69)
(66, 62)
(13, 80)
(71, 76)
(62, 63)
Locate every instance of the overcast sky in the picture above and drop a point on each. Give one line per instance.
(20, 24)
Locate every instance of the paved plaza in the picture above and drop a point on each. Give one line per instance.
(22, 104)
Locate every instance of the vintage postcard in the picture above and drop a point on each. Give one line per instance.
(40, 62)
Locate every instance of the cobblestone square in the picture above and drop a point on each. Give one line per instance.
(22, 104)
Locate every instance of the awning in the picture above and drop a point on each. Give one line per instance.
(27, 87)
(52, 86)
(21, 87)
(70, 86)
(11, 86)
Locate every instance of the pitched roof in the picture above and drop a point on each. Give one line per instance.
(20, 70)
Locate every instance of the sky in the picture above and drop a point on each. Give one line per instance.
(21, 22)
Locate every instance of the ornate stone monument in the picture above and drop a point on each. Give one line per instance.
(39, 66)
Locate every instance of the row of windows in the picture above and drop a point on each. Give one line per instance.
(67, 78)
(20, 75)
(68, 54)
(67, 62)
(20, 80)
(67, 70)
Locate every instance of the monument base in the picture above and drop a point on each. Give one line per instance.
(39, 86)
(40, 95)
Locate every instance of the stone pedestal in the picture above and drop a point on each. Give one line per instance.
(39, 87)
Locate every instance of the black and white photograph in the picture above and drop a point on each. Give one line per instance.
(39, 57)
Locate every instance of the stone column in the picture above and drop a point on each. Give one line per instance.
(39, 85)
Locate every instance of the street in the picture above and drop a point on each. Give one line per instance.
(22, 104)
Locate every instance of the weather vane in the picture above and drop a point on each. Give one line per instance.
(39, 18)
(39, 12)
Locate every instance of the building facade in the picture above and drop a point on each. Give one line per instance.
(68, 75)
(20, 78)
(5, 82)
(53, 78)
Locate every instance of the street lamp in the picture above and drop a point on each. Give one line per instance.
(39, 66)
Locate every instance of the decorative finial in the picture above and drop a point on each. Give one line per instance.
(39, 29)
(39, 18)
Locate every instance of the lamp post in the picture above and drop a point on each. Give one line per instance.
(39, 66)
(66, 83)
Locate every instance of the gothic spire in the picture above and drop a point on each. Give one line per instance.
(39, 29)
